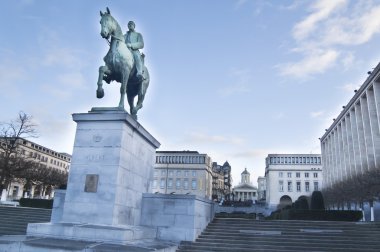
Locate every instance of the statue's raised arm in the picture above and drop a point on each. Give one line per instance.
(123, 63)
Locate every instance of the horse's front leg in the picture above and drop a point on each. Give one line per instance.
(100, 91)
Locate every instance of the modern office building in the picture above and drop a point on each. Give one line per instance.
(182, 172)
(245, 190)
(289, 176)
(46, 158)
(351, 145)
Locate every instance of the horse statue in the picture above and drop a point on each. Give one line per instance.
(120, 66)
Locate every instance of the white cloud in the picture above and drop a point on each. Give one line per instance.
(240, 81)
(321, 10)
(261, 153)
(317, 114)
(73, 79)
(329, 35)
(314, 62)
(240, 3)
(349, 87)
(206, 138)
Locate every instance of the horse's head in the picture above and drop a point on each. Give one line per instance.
(108, 24)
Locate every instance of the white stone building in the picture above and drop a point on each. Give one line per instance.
(182, 172)
(351, 145)
(245, 190)
(289, 176)
(46, 158)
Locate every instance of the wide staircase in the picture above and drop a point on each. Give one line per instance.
(239, 234)
(14, 220)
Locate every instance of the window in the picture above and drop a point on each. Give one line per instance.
(280, 174)
(281, 186)
(186, 173)
(178, 173)
(307, 187)
(194, 173)
(163, 173)
(298, 174)
(170, 183)
(155, 183)
(315, 186)
(298, 186)
(178, 183)
(186, 184)
(315, 174)
(289, 174)
(306, 174)
(170, 173)
(296, 160)
(162, 183)
(155, 173)
(194, 184)
(290, 187)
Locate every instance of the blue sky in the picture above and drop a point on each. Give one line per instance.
(236, 79)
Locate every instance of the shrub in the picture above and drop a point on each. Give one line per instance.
(317, 202)
(303, 203)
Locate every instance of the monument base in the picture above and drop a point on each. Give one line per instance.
(22, 243)
(89, 232)
(111, 167)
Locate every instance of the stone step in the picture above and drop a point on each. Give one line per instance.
(14, 220)
(295, 223)
(245, 238)
(234, 234)
(299, 232)
(266, 247)
(284, 227)
(282, 242)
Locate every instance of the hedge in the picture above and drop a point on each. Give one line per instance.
(36, 203)
(316, 215)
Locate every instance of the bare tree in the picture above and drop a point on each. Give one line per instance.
(12, 159)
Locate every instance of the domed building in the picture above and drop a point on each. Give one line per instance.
(245, 190)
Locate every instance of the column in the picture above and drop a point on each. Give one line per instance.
(374, 124)
(355, 140)
(346, 160)
(335, 157)
(361, 137)
(340, 152)
(367, 132)
(350, 146)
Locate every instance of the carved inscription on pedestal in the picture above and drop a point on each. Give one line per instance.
(91, 184)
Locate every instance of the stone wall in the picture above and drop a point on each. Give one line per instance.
(176, 217)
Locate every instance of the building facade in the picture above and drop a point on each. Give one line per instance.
(45, 158)
(261, 188)
(289, 176)
(351, 145)
(222, 181)
(245, 190)
(182, 172)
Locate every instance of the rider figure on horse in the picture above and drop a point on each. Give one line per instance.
(134, 42)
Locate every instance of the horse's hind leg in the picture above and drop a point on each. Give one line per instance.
(132, 111)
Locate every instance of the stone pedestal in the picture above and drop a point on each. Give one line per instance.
(111, 167)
